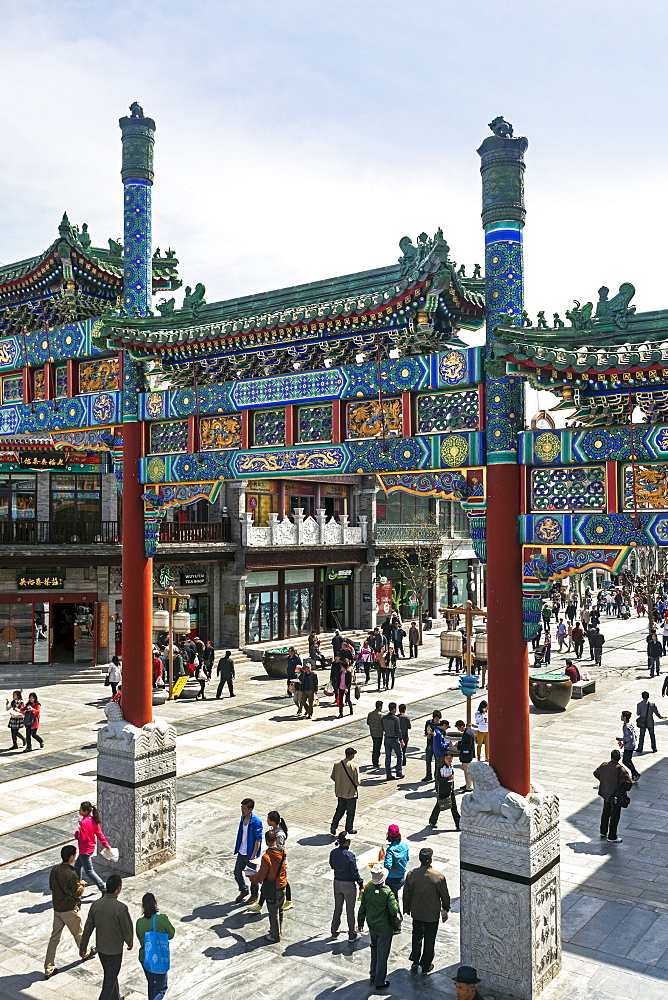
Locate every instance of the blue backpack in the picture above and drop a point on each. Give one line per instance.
(156, 950)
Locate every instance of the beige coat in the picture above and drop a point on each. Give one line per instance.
(346, 778)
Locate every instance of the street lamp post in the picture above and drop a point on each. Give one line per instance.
(171, 596)
(469, 612)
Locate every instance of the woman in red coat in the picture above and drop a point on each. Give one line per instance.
(31, 722)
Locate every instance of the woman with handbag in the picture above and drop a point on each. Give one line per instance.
(31, 722)
(343, 688)
(87, 835)
(15, 707)
(154, 932)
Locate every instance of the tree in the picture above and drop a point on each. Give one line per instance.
(416, 558)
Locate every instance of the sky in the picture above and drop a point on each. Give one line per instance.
(301, 139)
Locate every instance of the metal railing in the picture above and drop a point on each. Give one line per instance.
(404, 534)
(59, 532)
(194, 531)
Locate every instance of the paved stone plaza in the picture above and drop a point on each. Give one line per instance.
(615, 897)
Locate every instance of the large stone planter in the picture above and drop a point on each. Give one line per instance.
(159, 696)
(275, 662)
(550, 691)
(190, 690)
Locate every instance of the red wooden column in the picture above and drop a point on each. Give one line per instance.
(508, 668)
(137, 575)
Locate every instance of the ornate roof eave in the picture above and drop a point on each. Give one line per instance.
(227, 322)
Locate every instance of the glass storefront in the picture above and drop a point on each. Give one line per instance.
(18, 506)
(75, 507)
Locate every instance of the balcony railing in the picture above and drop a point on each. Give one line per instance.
(406, 534)
(300, 530)
(194, 531)
(59, 532)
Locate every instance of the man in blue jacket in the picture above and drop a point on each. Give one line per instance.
(247, 848)
(346, 881)
(441, 744)
(466, 748)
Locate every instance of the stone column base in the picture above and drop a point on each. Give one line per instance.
(136, 793)
(510, 886)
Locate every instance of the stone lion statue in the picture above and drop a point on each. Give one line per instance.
(489, 799)
(117, 729)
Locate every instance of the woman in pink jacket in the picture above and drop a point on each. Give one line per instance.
(86, 836)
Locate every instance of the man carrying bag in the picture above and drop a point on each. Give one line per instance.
(273, 875)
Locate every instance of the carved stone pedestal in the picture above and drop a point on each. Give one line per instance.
(136, 792)
(510, 886)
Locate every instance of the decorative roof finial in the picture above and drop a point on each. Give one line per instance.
(136, 111)
(65, 227)
(501, 127)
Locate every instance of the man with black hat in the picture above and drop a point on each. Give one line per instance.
(425, 897)
(465, 983)
(346, 778)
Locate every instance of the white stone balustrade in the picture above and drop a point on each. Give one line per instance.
(300, 530)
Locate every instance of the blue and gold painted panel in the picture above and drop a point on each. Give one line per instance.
(222, 431)
(269, 428)
(12, 389)
(444, 411)
(594, 529)
(47, 415)
(651, 486)
(99, 375)
(71, 340)
(560, 447)
(170, 436)
(367, 419)
(568, 489)
(314, 423)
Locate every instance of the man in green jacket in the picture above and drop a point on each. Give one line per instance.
(380, 909)
(111, 921)
(66, 891)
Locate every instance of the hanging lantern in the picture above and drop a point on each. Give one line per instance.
(181, 620)
(468, 684)
(451, 643)
(161, 620)
(481, 647)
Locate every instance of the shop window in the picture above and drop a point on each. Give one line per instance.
(262, 615)
(220, 432)
(99, 375)
(404, 508)
(171, 436)
(16, 633)
(75, 506)
(18, 502)
(305, 503)
(268, 428)
(315, 423)
(366, 419)
(12, 389)
(198, 606)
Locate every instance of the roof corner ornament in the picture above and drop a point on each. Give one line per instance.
(166, 307)
(617, 308)
(65, 228)
(580, 317)
(115, 248)
(84, 236)
(501, 127)
(136, 110)
(413, 256)
(194, 299)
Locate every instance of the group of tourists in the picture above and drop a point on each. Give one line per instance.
(24, 717)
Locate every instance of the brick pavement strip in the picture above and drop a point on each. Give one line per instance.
(220, 946)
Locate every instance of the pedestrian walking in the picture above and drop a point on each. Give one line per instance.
(337, 641)
(247, 848)
(346, 778)
(111, 921)
(200, 675)
(226, 674)
(88, 833)
(466, 748)
(430, 727)
(482, 735)
(380, 910)
(445, 792)
(343, 687)
(654, 654)
(546, 615)
(31, 719)
(382, 672)
(614, 780)
(664, 635)
(376, 640)
(578, 640)
(209, 656)
(347, 880)
(441, 743)
(405, 725)
(426, 898)
(374, 721)
(391, 666)
(561, 633)
(547, 646)
(596, 641)
(273, 874)
(16, 708)
(153, 922)
(294, 661)
(399, 636)
(276, 823)
(413, 640)
(395, 859)
(309, 690)
(66, 892)
(465, 983)
(645, 712)
(366, 658)
(627, 743)
(392, 735)
(114, 674)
